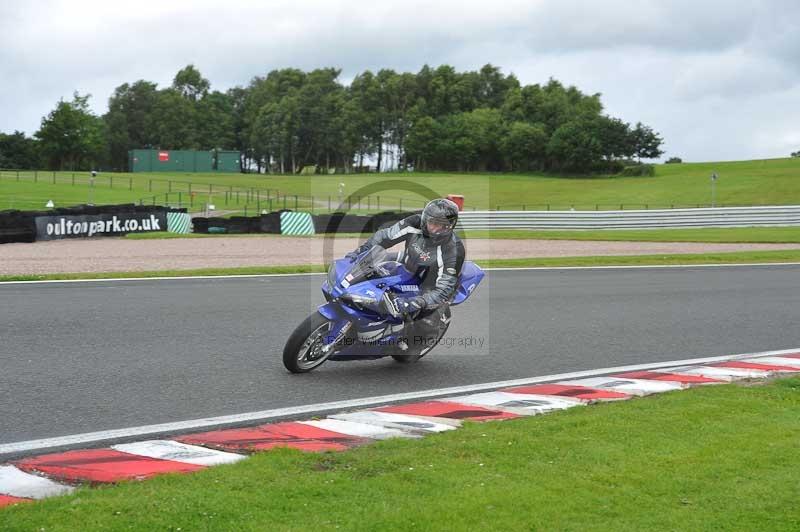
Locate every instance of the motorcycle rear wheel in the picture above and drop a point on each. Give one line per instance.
(303, 350)
(410, 359)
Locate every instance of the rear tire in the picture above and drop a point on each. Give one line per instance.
(406, 359)
(303, 349)
(410, 359)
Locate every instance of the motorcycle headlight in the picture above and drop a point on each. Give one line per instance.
(362, 300)
(358, 301)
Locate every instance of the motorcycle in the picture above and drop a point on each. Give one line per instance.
(361, 319)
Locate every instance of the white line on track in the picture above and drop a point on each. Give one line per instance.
(646, 266)
(186, 277)
(525, 268)
(266, 415)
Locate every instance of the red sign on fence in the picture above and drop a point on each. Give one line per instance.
(163, 156)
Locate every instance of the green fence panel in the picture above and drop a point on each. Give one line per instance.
(140, 161)
(179, 222)
(297, 223)
(227, 161)
(179, 161)
(203, 161)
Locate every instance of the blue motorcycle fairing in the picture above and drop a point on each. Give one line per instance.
(342, 267)
(471, 275)
(330, 310)
(363, 322)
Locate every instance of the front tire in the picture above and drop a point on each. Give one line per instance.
(303, 350)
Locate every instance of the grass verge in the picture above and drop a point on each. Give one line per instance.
(161, 235)
(712, 458)
(254, 270)
(745, 257)
(765, 257)
(775, 235)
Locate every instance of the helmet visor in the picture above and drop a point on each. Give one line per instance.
(438, 226)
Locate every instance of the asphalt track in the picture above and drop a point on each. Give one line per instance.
(82, 357)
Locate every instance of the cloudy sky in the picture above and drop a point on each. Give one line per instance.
(720, 80)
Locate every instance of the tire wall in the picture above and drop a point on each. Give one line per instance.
(20, 226)
(323, 223)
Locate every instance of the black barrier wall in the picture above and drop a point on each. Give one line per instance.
(89, 225)
(82, 221)
(337, 222)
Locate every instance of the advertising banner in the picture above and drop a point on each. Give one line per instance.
(58, 227)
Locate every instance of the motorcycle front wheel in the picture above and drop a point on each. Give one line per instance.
(303, 350)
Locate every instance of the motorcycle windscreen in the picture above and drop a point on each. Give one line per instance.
(373, 265)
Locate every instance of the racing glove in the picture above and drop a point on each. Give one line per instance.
(410, 305)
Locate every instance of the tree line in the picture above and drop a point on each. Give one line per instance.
(290, 120)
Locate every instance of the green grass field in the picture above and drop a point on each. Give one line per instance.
(765, 182)
(748, 257)
(711, 458)
(762, 235)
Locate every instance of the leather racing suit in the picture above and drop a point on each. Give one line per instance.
(436, 264)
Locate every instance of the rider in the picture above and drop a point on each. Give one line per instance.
(434, 254)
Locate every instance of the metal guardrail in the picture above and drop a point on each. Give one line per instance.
(641, 219)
